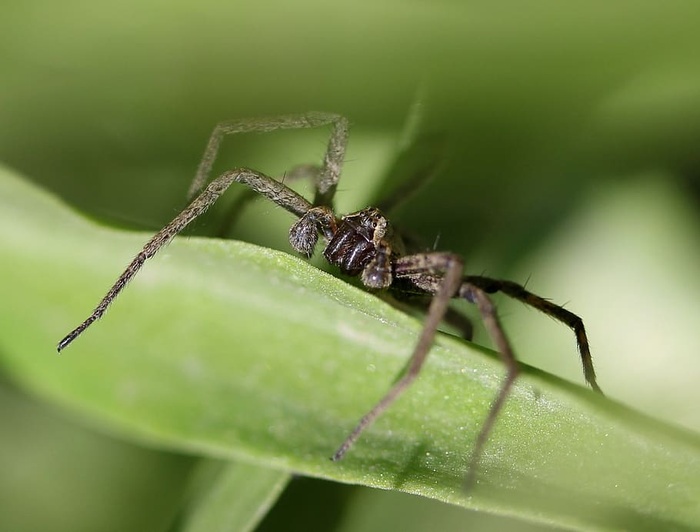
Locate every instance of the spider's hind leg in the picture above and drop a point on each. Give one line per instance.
(449, 269)
(557, 312)
(429, 282)
(489, 316)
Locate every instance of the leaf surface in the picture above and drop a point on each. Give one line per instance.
(229, 350)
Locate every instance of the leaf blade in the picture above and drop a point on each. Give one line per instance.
(236, 498)
(229, 350)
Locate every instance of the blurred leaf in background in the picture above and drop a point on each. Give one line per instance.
(568, 134)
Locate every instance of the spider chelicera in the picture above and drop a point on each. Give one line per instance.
(360, 244)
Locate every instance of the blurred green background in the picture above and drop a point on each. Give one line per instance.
(568, 137)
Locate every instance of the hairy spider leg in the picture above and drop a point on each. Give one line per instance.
(325, 183)
(423, 271)
(260, 183)
(420, 270)
(450, 266)
(491, 322)
(574, 322)
(325, 180)
(429, 283)
(236, 209)
(324, 177)
(475, 289)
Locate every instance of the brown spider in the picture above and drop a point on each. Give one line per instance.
(362, 243)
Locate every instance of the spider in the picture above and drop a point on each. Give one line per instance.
(362, 244)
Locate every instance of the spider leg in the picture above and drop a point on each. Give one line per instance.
(325, 181)
(450, 267)
(460, 322)
(260, 183)
(234, 211)
(493, 326)
(557, 312)
(429, 282)
(453, 317)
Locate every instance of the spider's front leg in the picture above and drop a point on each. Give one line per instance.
(325, 182)
(236, 208)
(325, 178)
(262, 184)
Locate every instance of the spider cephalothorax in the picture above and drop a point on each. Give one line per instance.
(361, 243)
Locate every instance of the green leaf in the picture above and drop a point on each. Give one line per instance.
(59, 476)
(228, 350)
(236, 496)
